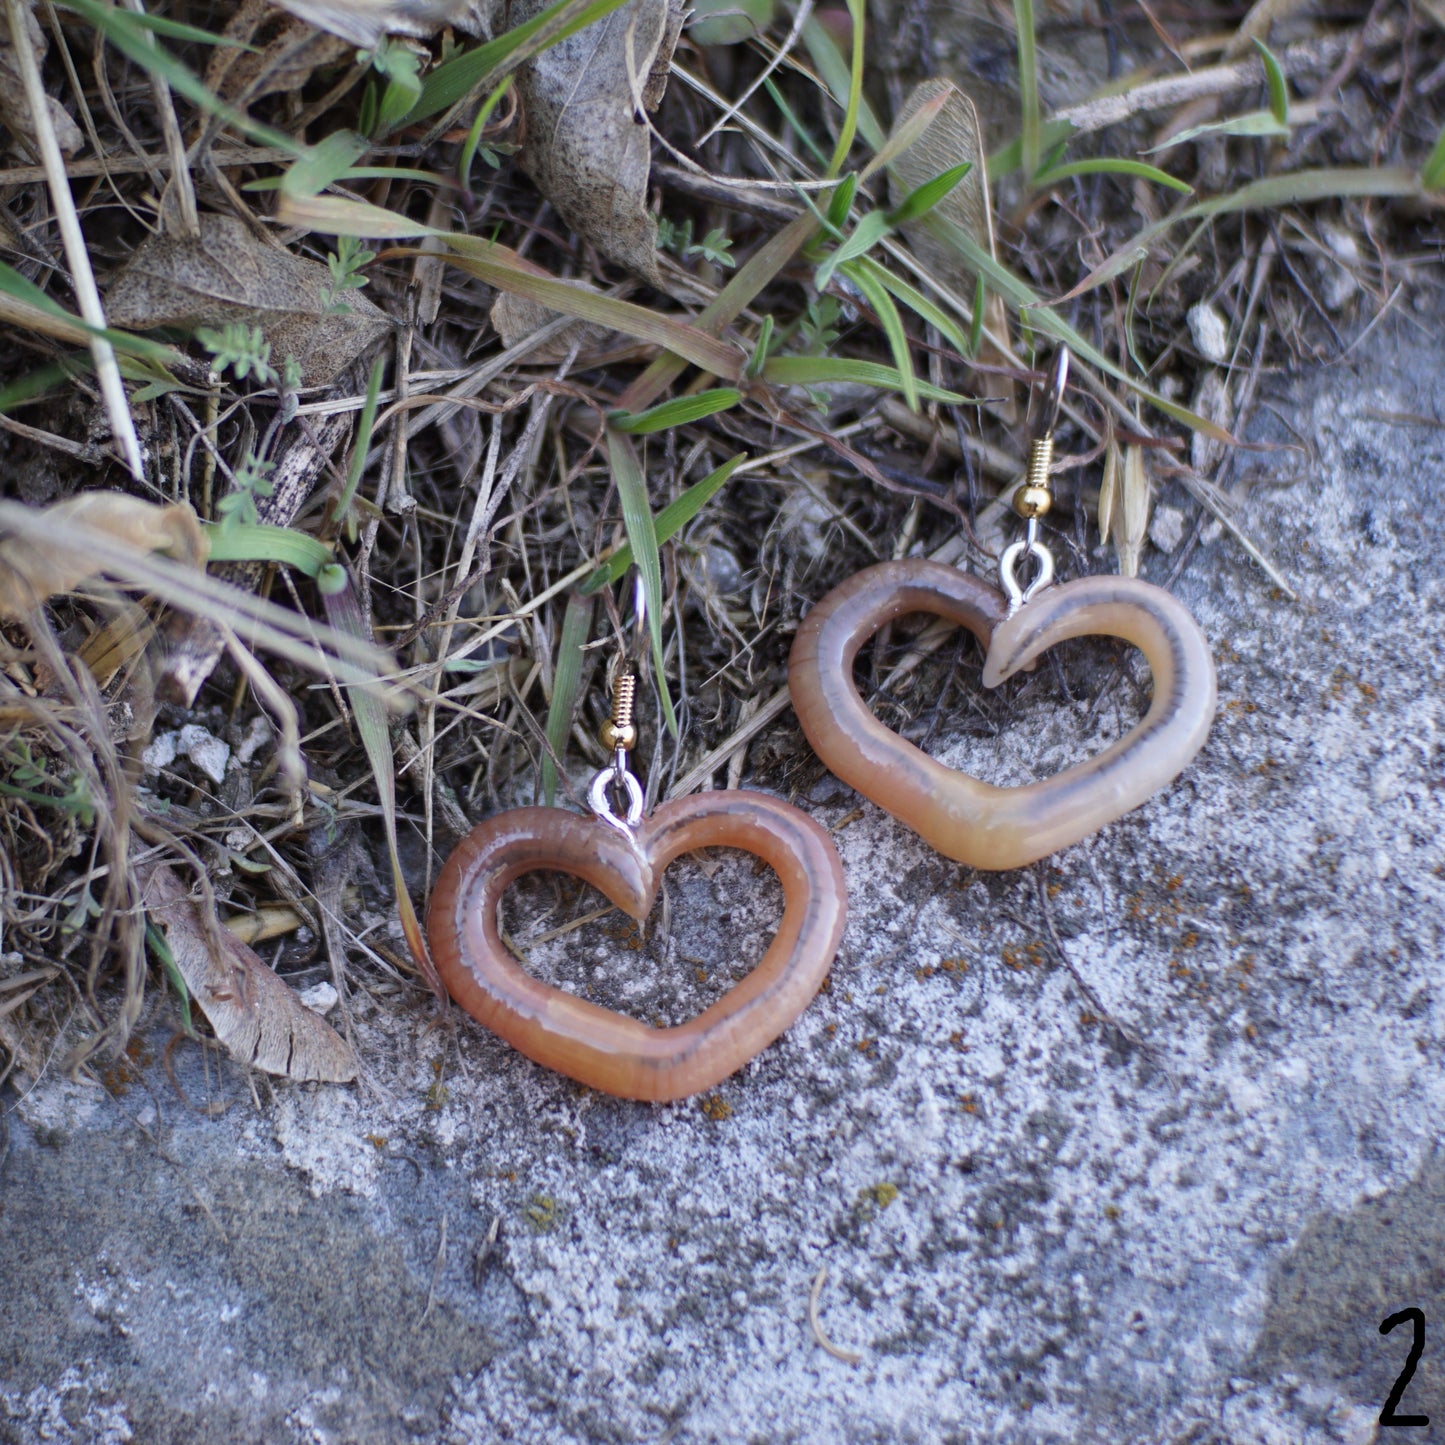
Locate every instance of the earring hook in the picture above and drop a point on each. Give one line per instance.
(619, 732)
(1034, 498)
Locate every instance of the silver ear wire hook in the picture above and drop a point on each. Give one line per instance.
(1055, 386)
(639, 618)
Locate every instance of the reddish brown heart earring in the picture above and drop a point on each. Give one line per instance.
(963, 818)
(624, 855)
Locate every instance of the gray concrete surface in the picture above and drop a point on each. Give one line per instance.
(1183, 1222)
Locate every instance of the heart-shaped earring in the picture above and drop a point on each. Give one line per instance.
(963, 818)
(624, 855)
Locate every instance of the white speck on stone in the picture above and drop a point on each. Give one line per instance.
(1166, 528)
(205, 750)
(320, 998)
(258, 735)
(1245, 1095)
(1210, 333)
(160, 752)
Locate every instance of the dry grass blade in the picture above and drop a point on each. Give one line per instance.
(76, 254)
(503, 268)
(369, 710)
(265, 625)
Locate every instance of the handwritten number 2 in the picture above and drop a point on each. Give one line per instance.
(1417, 1348)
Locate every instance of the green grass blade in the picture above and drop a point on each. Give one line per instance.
(764, 344)
(742, 288)
(918, 203)
(1272, 192)
(1432, 173)
(1009, 158)
(797, 126)
(243, 542)
(878, 298)
(23, 303)
(1029, 136)
(1255, 123)
(1036, 314)
(841, 201)
(858, 12)
(507, 271)
(866, 234)
(641, 534)
(837, 76)
(821, 370)
(1105, 166)
(905, 134)
(665, 525)
(362, 444)
(499, 267)
(455, 79)
(178, 30)
(566, 682)
(916, 301)
(1274, 78)
(156, 942)
(678, 412)
(36, 384)
(474, 136)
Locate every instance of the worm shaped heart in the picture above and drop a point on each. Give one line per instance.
(972, 821)
(595, 1045)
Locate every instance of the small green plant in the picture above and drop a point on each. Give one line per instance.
(345, 265)
(714, 247)
(817, 328)
(27, 777)
(238, 508)
(239, 348)
(80, 908)
(394, 90)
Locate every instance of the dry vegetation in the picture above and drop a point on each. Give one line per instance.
(299, 560)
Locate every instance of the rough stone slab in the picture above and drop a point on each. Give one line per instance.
(1175, 1208)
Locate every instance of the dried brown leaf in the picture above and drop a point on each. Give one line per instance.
(954, 136)
(31, 571)
(586, 149)
(229, 274)
(364, 22)
(286, 53)
(517, 317)
(259, 1019)
(15, 107)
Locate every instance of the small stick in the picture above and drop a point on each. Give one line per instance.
(848, 1357)
(436, 1274)
(82, 277)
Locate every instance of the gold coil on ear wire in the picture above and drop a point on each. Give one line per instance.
(1035, 497)
(619, 731)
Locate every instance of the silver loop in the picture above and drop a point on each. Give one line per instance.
(599, 798)
(1008, 571)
